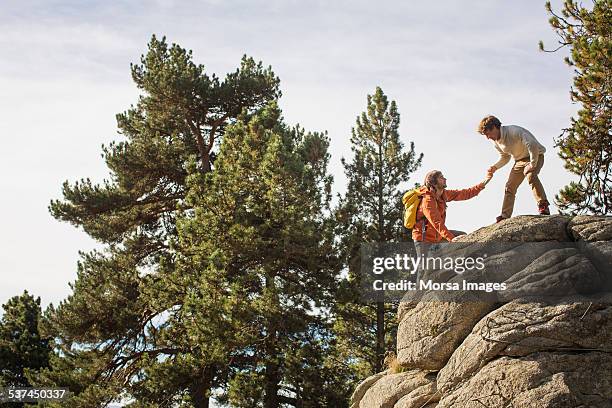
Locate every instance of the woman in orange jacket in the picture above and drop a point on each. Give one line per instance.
(431, 215)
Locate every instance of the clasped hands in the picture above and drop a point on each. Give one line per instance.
(528, 169)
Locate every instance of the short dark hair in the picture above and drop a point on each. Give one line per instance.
(488, 123)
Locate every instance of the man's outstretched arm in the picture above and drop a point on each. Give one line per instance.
(504, 158)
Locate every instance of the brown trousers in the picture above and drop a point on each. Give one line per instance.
(515, 178)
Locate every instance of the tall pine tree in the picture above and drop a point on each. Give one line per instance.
(586, 146)
(122, 331)
(261, 216)
(370, 212)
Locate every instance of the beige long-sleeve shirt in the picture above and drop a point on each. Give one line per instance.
(518, 143)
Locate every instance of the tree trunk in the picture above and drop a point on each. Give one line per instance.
(271, 399)
(272, 373)
(200, 391)
(380, 306)
(206, 167)
(380, 336)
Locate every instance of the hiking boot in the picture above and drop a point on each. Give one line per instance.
(543, 208)
(499, 219)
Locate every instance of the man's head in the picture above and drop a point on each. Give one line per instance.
(490, 126)
(435, 180)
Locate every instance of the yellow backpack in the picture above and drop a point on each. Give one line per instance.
(411, 200)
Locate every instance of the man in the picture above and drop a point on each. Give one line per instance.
(528, 154)
(430, 223)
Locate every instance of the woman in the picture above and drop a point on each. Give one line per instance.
(430, 226)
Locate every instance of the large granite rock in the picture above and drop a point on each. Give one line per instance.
(590, 228)
(411, 386)
(557, 379)
(429, 333)
(524, 228)
(518, 329)
(363, 387)
(546, 342)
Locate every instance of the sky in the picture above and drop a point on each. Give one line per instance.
(64, 75)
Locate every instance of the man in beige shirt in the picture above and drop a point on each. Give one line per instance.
(528, 154)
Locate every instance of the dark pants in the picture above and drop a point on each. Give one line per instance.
(422, 249)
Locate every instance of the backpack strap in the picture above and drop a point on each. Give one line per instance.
(423, 229)
(424, 220)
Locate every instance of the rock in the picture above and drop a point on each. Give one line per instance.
(361, 389)
(429, 333)
(423, 396)
(596, 233)
(591, 228)
(386, 391)
(519, 329)
(600, 253)
(556, 273)
(404, 307)
(523, 228)
(539, 380)
(544, 342)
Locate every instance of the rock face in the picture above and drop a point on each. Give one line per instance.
(547, 343)
(411, 387)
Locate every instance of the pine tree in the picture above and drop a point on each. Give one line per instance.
(126, 326)
(22, 347)
(586, 146)
(262, 214)
(370, 212)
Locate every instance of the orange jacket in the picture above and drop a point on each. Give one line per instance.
(434, 210)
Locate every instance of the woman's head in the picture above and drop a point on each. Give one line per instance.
(435, 180)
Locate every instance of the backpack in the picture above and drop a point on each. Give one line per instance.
(411, 200)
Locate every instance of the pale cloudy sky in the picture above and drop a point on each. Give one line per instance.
(64, 74)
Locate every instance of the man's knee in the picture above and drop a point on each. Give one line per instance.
(532, 178)
(510, 188)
